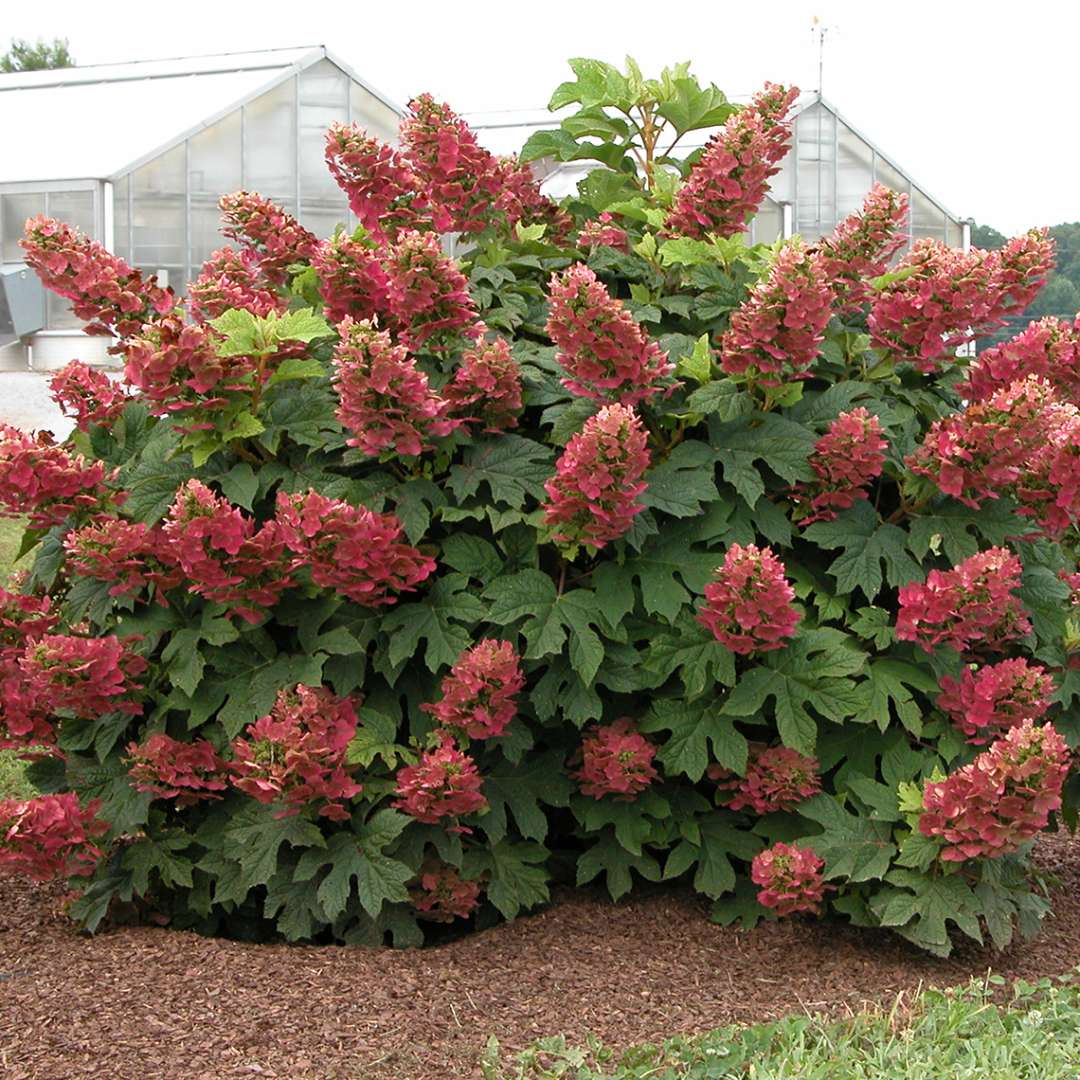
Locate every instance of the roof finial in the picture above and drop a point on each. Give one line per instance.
(819, 30)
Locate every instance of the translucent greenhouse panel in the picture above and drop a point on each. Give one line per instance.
(214, 169)
(121, 218)
(324, 99)
(954, 233)
(14, 210)
(374, 115)
(927, 218)
(159, 216)
(270, 145)
(854, 171)
(815, 147)
(768, 223)
(76, 208)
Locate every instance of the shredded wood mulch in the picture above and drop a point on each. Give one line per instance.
(143, 1003)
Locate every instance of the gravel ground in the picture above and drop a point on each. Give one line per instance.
(25, 403)
(143, 1003)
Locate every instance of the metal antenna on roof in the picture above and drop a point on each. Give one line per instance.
(819, 30)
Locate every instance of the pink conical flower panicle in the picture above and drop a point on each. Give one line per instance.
(604, 351)
(385, 399)
(352, 281)
(51, 836)
(233, 279)
(775, 335)
(486, 387)
(266, 230)
(969, 607)
(777, 778)
(593, 496)
(1002, 799)
(479, 694)
(444, 783)
(846, 460)
(860, 247)
(87, 395)
(616, 759)
(790, 879)
(987, 701)
(106, 292)
(728, 183)
(748, 608)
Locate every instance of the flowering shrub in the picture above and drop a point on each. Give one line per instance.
(344, 608)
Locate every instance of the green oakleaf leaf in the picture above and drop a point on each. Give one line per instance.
(866, 545)
(434, 620)
(521, 789)
(517, 875)
(681, 484)
(253, 838)
(853, 847)
(609, 857)
(812, 673)
(692, 651)
(511, 467)
(719, 840)
(695, 728)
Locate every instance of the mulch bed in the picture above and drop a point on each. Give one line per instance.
(142, 1002)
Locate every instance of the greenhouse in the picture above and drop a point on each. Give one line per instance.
(181, 133)
(825, 177)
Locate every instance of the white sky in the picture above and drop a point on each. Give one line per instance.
(976, 100)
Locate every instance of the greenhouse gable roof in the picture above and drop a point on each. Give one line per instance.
(94, 122)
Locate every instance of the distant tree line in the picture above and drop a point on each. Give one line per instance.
(1061, 296)
(36, 56)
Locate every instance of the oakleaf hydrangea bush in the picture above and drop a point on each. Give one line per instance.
(388, 589)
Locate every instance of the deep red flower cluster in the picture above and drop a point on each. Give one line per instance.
(170, 769)
(296, 754)
(748, 608)
(381, 185)
(777, 778)
(1022, 442)
(233, 279)
(25, 719)
(991, 699)
(444, 783)
(522, 200)
(46, 483)
(592, 497)
(950, 297)
(104, 290)
(1002, 799)
(486, 387)
(352, 281)
(603, 232)
(441, 179)
(352, 550)
(385, 399)
(968, 607)
(846, 459)
(460, 179)
(127, 554)
(774, 336)
(604, 351)
(790, 878)
(478, 696)
(442, 894)
(860, 247)
(175, 366)
(87, 395)
(87, 677)
(1047, 348)
(226, 559)
(427, 295)
(728, 183)
(616, 759)
(50, 836)
(270, 233)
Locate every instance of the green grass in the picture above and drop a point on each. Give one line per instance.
(13, 783)
(960, 1034)
(11, 532)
